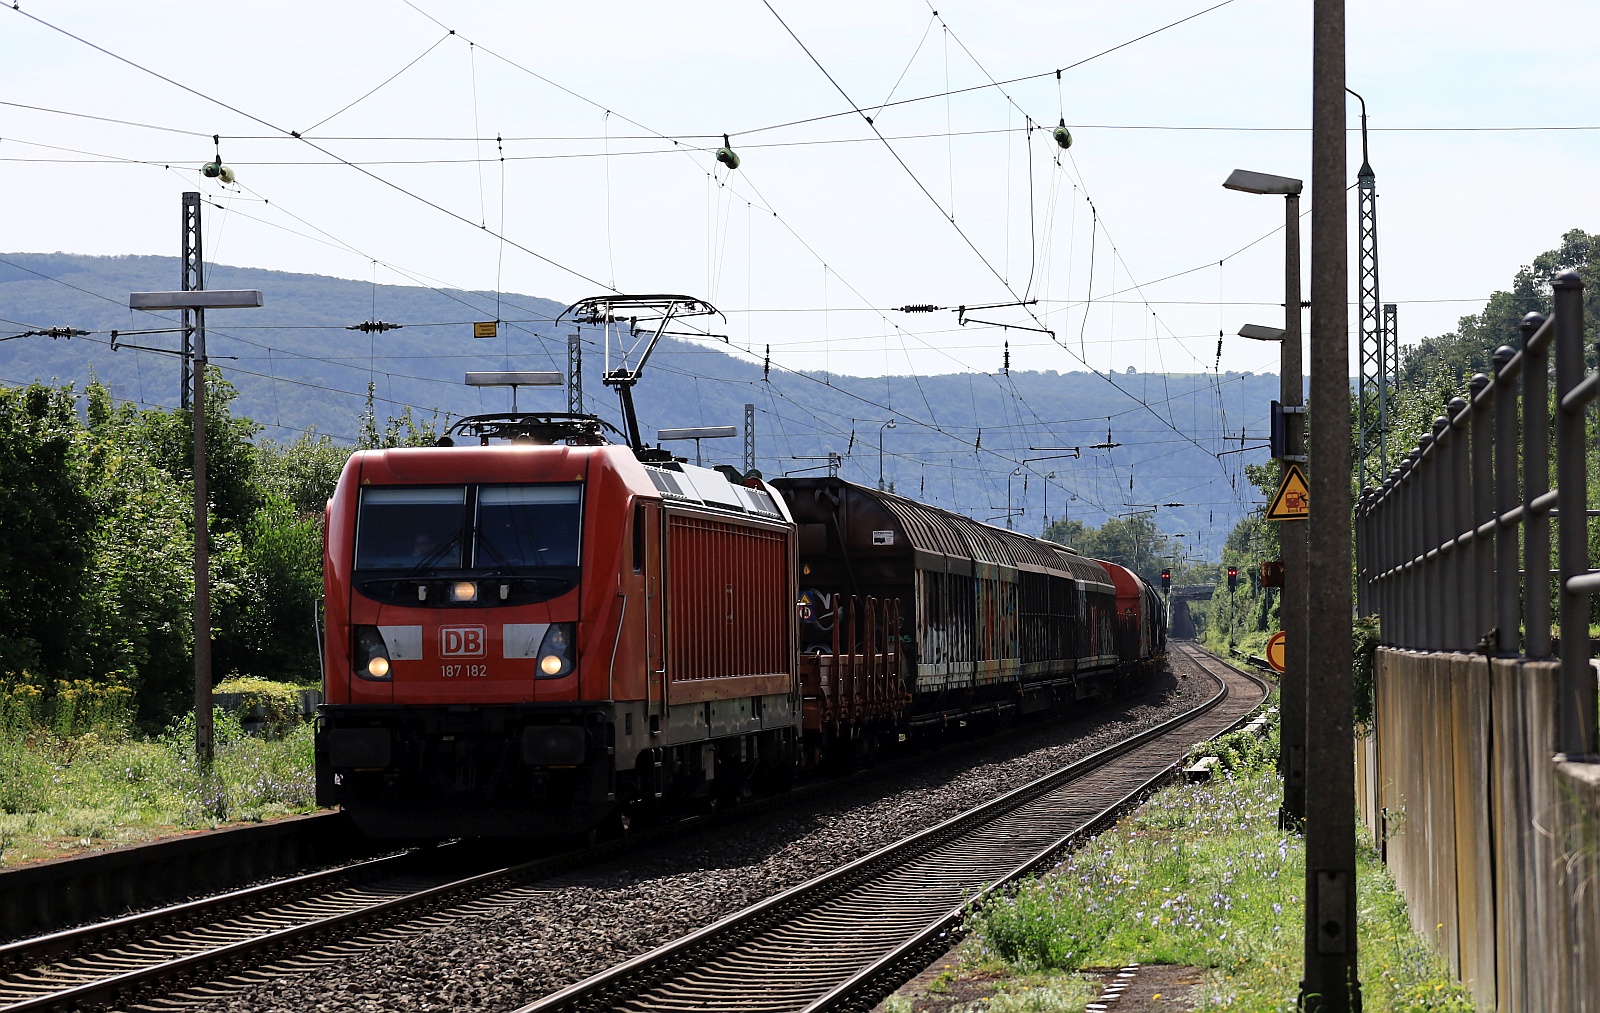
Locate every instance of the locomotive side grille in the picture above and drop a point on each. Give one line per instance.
(726, 599)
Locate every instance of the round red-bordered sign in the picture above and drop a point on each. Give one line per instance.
(1275, 652)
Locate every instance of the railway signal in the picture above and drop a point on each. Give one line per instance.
(1166, 578)
(1233, 582)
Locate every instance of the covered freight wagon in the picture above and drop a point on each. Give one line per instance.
(990, 620)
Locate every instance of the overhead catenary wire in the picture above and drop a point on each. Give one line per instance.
(902, 336)
(308, 141)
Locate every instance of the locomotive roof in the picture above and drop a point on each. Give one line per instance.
(931, 529)
(678, 482)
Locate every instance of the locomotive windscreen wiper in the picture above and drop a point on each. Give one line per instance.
(428, 562)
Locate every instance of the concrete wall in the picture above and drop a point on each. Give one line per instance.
(1492, 840)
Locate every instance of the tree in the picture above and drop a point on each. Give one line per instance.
(1449, 360)
(1134, 542)
(303, 472)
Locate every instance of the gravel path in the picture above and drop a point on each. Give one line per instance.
(518, 946)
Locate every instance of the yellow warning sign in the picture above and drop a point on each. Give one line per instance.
(1293, 501)
(485, 328)
(1275, 651)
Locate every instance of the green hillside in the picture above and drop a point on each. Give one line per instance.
(297, 367)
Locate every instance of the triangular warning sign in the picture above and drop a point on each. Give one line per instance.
(1293, 501)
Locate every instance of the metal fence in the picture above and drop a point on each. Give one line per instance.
(1453, 550)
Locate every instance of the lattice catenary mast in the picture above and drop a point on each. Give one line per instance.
(1376, 361)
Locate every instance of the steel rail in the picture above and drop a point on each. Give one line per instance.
(131, 957)
(832, 942)
(45, 897)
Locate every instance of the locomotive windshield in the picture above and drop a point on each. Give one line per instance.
(523, 526)
(410, 528)
(519, 542)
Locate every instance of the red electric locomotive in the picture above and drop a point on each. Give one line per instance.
(525, 635)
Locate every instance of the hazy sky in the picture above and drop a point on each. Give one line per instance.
(822, 226)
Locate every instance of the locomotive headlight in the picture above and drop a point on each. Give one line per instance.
(556, 650)
(371, 654)
(463, 590)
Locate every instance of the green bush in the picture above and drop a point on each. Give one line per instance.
(1364, 631)
(1240, 752)
(276, 705)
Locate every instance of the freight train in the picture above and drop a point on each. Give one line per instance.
(531, 630)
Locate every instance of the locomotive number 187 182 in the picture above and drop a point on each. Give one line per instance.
(470, 671)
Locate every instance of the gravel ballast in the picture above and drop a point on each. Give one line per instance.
(509, 950)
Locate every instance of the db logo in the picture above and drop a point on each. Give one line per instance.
(462, 641)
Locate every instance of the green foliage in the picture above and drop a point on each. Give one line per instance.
(276, 631)
(400, 431)
(96, 540)
(1202, 876)
(109, 784)
(1364, 632)
(1134, 542)
(46, 518)
(275, 706)
(1239, 752)
(303, 472)
(1452, 358)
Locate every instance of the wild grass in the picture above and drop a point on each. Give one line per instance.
(1201, 876)
(60, 793)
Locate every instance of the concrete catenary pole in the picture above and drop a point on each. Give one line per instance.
(1330, 984)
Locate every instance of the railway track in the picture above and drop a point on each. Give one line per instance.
(847, 938)
(131, 959)
(49, 896)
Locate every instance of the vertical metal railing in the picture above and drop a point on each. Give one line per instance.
(1453, 548)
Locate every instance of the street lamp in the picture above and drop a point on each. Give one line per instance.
(887, 425)
(199, 300)
(1293, 535)
(1047, 479)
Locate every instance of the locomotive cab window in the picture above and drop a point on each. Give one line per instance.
(527, 526)
(638, 538)
(468, 546)
(413, 528)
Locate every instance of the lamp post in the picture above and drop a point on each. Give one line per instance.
(1009, 512)
(1047, 479)
(197, 300)
(697, 433)
(515, 380)
(887, 425)
(1292, 534)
